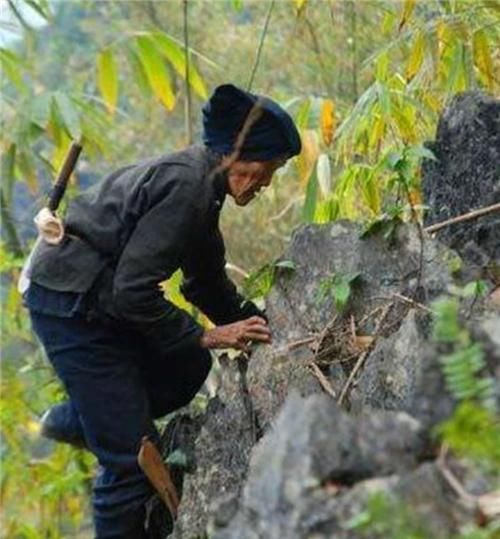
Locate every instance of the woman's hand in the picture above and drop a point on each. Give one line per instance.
(237, 335)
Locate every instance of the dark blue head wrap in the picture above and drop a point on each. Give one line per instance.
(272, 135)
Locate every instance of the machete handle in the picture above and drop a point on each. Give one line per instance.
(156, 470)
(62, 178)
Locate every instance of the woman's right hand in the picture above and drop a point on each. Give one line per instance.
(237, 335)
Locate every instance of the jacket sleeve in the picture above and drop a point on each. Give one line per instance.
(211, 290)
(152, 253)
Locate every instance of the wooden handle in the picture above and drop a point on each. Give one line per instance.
(62, 179)
(157, 472)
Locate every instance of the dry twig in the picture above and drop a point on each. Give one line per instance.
(322, 379)
(363, 356)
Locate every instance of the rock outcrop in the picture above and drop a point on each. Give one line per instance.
(276, 454)
(466, 176)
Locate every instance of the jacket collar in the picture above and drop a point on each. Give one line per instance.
(217, 175)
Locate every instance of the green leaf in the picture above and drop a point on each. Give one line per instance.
(475, 288)
(155, 70)
(107, 78)
(176, 56)
(482, 57)
(42, 7)
(416, 56)
(237, 4)
(382, 66)
(302, 117)
(69, 114)
(139, 75)
(309, 208)
(7, 172)
(12, 65)
(40, 109)
(384, 99)
(258, 283)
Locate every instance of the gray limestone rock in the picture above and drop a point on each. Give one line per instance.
(466, 176)
(302, 470)
(294, 312)
(221, 452)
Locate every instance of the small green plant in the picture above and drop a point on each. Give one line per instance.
(386, 518)
(473, 430)
(259, 283)
(464, 364)
(337, 286)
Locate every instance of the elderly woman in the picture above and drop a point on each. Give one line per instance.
(125, 354)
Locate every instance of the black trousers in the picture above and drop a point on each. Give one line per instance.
(117, 382)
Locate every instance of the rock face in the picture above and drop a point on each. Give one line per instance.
(221, 452)
(301, 471)
(319, 252)
(274, 455)
(466, 176)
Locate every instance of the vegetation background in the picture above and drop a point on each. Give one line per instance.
(364, 80)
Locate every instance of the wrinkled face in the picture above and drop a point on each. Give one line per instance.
(247, 178)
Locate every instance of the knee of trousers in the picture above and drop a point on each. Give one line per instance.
(185, 389)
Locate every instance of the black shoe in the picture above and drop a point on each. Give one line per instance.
(60, 424)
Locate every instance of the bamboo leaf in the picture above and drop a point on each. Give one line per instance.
(324, 174)
(139, 74)
(482, 57)
(327, 121)
(384, 99)
(107, 78)
(309, 208)
(7, 172)
(69, 114)
(302, 117)
(40, 109)
(416, 56)
(155, 71)
(456, 77)
(11, 65)
(300, 5)
(174, 53)
(41, 7)
(382, 66)
(308, 155)
(408, 8)
(27, 169)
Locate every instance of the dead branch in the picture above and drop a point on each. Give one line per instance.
(464, 217)
(364, 355)
(412, 302)
(322, 379)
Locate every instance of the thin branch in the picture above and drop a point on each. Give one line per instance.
(363, 356)
(465, 217)
(322, 379)
(261, 44)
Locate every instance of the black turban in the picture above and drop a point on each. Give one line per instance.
(272, 135)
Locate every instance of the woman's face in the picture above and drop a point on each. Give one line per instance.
(247, 178)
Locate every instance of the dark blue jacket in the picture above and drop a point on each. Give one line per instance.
(133, 230)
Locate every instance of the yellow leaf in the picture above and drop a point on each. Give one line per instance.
(408, 7)
(308, 156)
(377, 131)
(300, 5)
(327, 121)
(107, 79)
(482, 57)
(155, 70)
(416, 56)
